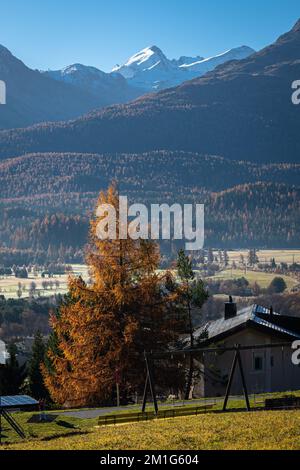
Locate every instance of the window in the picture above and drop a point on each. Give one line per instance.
(258, 363)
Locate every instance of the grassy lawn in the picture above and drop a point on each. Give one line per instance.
(255, 430)
(63, 430)
(263, 279)
(59, 426)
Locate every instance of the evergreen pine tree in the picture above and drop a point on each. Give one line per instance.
(35, 379)
(226, 258)
(210, 256)
(192, 294)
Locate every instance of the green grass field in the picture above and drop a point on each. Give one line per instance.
(254, 430)
(263, 279)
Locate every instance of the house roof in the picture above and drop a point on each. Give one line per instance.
(254, 316)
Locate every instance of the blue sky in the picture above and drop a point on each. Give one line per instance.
(52, 34)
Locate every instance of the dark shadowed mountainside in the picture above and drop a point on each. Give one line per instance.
(33, 97)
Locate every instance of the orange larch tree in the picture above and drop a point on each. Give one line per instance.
(105, 326)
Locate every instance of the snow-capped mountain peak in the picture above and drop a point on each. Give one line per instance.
(146, 59)
(147, 70)
(110, 87)
(144, 55)
(150, 69)
(80, 68)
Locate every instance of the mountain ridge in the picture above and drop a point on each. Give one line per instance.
(242, 110)
(151, 70)
(33, 97)
(40, 96)
(111, 87)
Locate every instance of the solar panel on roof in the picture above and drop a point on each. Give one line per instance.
(17, 400)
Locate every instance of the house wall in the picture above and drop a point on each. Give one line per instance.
(277, 370)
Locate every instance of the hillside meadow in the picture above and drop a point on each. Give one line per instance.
(264, 256)
(9, 285)
(261, 278)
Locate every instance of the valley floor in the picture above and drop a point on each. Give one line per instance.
(9, 285)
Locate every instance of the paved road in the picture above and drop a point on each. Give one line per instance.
(96, 412)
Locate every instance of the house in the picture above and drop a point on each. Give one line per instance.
(266, 370)
(24, 349)
(3, 353)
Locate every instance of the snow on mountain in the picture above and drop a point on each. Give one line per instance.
(206, 65)
(148, 70)
(185, 60)
(151, 70)
(145, 60)
(112, 87)
(82, 75)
